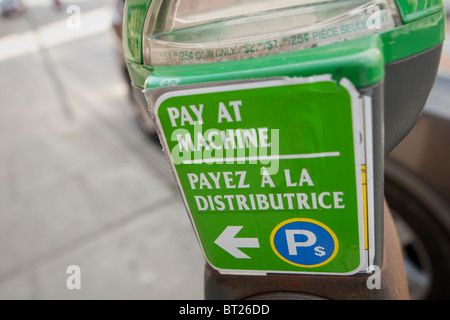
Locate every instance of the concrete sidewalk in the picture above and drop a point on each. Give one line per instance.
(80, 184)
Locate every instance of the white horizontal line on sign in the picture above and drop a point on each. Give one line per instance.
(265, 158)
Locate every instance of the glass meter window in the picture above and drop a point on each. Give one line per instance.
(204, 31)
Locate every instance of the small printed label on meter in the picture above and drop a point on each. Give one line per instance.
(310, 37)
(273, 173)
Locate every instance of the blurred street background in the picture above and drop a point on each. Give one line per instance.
(80, 183)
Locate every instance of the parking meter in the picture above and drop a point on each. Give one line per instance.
(276, 117)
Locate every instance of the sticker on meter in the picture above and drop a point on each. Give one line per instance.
(271, 172)
(304, 243)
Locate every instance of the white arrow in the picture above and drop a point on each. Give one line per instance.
(228, 242)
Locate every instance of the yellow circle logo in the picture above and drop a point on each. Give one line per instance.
(304, 243)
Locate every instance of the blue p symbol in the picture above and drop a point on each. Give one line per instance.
(293, 244)
(304, 243)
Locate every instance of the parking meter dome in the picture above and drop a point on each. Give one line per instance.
(199, 32)
(214, 26)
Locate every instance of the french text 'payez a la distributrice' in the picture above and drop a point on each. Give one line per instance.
(245, 146)
(227, 181)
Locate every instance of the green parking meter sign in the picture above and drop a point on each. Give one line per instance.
(273, 173)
